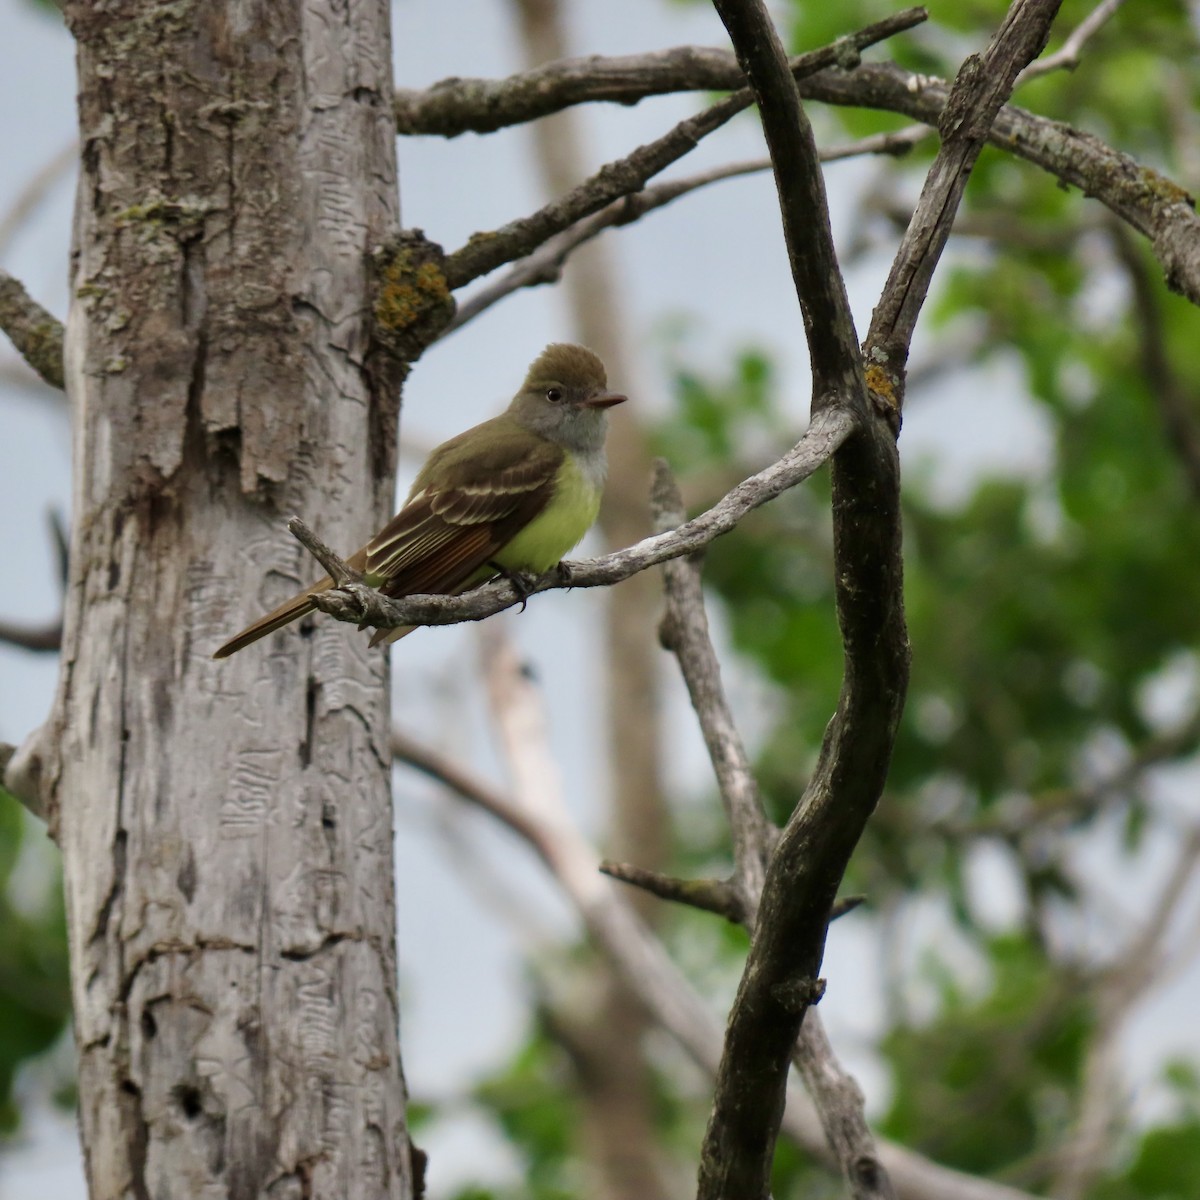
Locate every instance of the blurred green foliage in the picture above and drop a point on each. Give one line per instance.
(34, 992)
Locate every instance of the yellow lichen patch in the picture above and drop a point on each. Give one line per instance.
(1165, 189)
(882, 385)
(405, 295)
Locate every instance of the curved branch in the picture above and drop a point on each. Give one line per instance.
(485, 252)
(1068, 55)
(456, 105)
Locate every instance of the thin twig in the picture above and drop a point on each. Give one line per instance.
(340, 572)
(456, 105)
(1067, 56)
(708, 895)
(33, 637)
(36, 333)
(1175, 402)
(48, 636)
(984, 82)
(1142, 197)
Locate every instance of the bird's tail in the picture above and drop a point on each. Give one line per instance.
(288, 611)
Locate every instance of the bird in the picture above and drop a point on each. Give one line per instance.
(509, 497)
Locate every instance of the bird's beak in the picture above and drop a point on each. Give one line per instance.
(605, 400)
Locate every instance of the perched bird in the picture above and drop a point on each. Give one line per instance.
(512, 495)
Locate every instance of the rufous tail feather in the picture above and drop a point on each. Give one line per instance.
(288, 611)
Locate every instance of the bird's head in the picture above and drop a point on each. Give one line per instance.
(565, 397)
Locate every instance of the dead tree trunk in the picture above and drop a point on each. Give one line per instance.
(226, 826)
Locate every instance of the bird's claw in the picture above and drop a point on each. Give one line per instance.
(522, 583)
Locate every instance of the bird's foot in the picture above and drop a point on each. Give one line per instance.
(523, 583)
(563, 571)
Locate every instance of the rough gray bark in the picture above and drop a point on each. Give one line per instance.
(226, 827)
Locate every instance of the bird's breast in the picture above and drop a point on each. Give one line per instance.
(557, 529)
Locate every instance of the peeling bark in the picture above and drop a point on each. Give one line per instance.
(226, 827)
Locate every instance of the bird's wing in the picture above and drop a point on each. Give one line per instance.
(451, 528)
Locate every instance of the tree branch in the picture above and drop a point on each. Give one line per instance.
(546, 263)
(456, 106)
(36, 333)
(359, 604)
(982, 85)
(485, 252)
(34, 192)
(717, 896)
(684, 632)
(1122, 986)
(48, 636)
(832, 342)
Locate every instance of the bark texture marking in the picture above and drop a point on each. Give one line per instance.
(226, 826)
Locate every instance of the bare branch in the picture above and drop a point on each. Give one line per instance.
(545, 264)
(780, 977)
(840, 1103)
(1138, 194)
(684, 631)
(340, 572)
(359, 604)
(48, 636)
(36, 333)
(1026, 817)
(1067, 56)
(709, 895)
(982, 85)
(456, 106)
(1124, 984)
(32, 637)
(485, 252)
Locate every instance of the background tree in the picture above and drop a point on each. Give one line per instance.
(1052, 619)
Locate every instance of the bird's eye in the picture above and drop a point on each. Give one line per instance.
(554, 395)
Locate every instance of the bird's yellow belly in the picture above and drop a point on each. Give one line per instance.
(558, 528)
